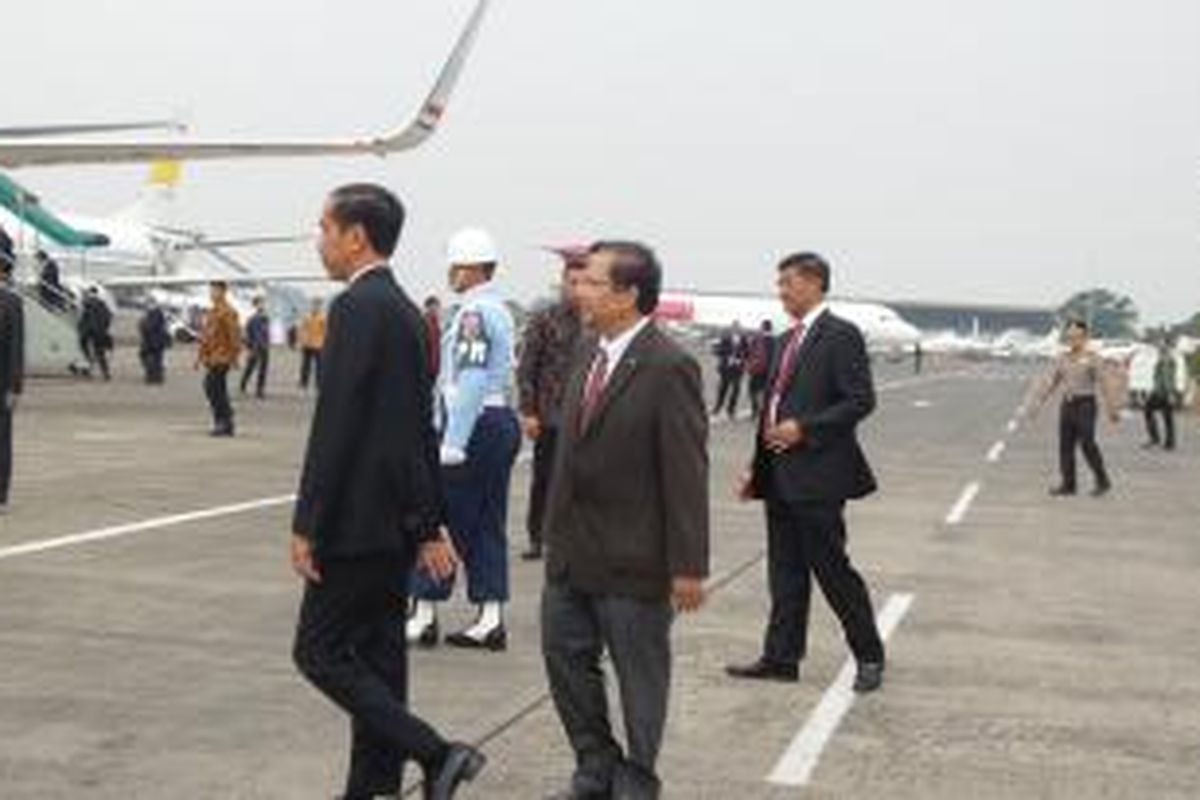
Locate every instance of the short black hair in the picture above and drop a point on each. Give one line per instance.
(222, 285)
(634, 266)
(432, 301)
(1077, 323)
(380, 213)
(808, 263)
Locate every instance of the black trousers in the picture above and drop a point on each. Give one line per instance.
(310, 366)
(728, 392)
(216, 389)
(152, 365)
(6, 447)
(758, 392)
(803, 540)
(350, 645)
(1077, 428)
(257, 364)
(543, 465)
(577, 628)
(1156, 403)
(96, 353)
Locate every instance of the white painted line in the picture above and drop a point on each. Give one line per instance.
(1013, 424)
(922, 404)
(115, 531)
(963, 505)
(997, 450)
(795, 767)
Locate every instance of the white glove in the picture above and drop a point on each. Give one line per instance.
(451, 456)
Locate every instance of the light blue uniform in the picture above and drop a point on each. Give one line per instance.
(480, 439)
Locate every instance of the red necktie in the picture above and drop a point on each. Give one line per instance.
(593, 389)
(787, 365)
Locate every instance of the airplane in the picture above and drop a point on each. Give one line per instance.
(24, 151)
(884, 329)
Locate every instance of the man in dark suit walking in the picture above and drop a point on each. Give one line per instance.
(12, 371)
(807, 464)
(370, 505)
(626, 524)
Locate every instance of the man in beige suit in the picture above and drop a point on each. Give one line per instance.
(626, 523)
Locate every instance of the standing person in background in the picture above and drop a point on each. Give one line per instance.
(758, 363)
(1162, 398)
(479, 446)
(369, 508)
(12, 369)
(547, 353)
(433, 333)
(311, 338)
(95, 320)
(731, 352)
(8, 256)
(220, 346)
(50, 288)
(1081, 375)
(155, 339)
(258, 342)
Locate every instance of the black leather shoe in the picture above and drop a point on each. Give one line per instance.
(1101, 490)
(463, 763)
(763, 670)
(532, 554)
(869, 677)
(1062, 491)
(496, 640)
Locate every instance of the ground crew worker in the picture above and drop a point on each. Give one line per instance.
(220, 346)
(258, 342)
(311, 337)
(480, 440)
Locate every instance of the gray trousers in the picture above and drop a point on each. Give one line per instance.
(577, 629)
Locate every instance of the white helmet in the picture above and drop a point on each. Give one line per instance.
(471, 246)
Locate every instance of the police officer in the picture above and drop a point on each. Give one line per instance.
(1162, 398)
(480, 439)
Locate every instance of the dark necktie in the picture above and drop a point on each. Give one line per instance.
(787, 365)
(594, 388)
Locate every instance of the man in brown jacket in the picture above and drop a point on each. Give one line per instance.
(626, 524)
(220, 346)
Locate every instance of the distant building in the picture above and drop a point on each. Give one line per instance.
(965, 318)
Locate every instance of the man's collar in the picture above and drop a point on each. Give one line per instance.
(809, 319)
(621, 341)
(366, 270)
(478, 289)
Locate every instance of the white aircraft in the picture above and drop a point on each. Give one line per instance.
(884, 329)
(23, 151)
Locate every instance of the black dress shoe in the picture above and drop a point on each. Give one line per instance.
(463, 763)
(532, 554)
(869, 677)
(495, 640)
(1062, 491)
(763, 670)
(1101, 490)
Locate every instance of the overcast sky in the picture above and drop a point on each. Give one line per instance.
(1007, 152)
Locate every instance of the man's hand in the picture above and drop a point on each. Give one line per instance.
(784, 436)
(687, 594)
(303, 561)
(531, 426)
(437, 557)
(745, 486)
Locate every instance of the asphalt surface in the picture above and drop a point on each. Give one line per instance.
(1049, 647)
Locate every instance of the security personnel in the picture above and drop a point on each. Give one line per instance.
(480, 439)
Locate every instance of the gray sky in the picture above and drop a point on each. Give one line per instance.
(936, 149)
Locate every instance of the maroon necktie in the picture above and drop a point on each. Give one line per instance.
(594, 388)
(787, 365)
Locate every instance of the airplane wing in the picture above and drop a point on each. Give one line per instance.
(180, 281)
(41, 131)
(25, 153)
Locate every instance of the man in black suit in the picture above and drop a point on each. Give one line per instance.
(12, 371)
(807, 464)
(370, 505)
(626, 524)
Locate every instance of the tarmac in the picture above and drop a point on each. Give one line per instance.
(1039, 647)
